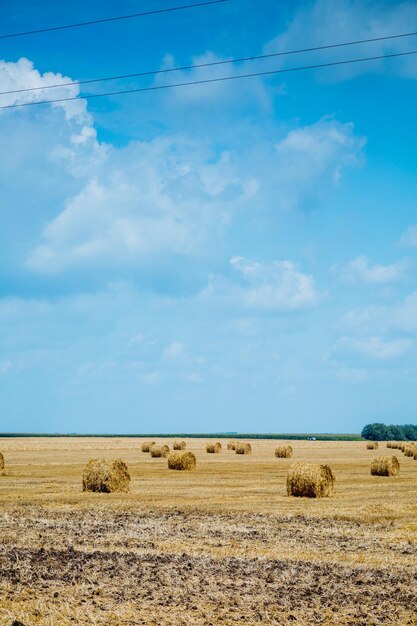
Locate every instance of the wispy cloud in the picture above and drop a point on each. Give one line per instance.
(409, 238)
(273, 286)
(337, 21)
(373, 347)
(361, 270)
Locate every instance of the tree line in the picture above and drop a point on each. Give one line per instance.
(393, 432)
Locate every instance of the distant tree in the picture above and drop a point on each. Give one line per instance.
(376, 432)
(410, 432)
(394, 432)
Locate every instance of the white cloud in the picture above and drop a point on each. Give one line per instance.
(374, 347)
(400, 317)
(151, 378)
(311, 158)
(353, 375)
(170, 197)
(151, 205)
(338, 21)
(409, 238)
(151, 200)
(5, 366)
(361, 270)
(223, 93)
(274, 286)
(22, 75)
(175, 350)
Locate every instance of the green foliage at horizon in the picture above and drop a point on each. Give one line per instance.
(392, 432)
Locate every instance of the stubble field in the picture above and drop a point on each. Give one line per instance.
(221, 545)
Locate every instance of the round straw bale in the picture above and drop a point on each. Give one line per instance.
(182, 461)
(389, 444)
(409, 450)
(147, 445)
(106, 476)
(372, 445)
(385, 466)
(415, 453)
(283, 452)
(1, 461)
(231, 445)
(310, 480)
(159, 451)
(243, 448)
(214, 448)
(402, 447)
(179, 445)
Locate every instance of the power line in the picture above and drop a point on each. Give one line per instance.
(211, 64)
(212, 80)
(112, 19)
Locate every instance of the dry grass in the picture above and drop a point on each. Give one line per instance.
(221, 545)
(182, 461)
(385, 466)
(104, 476)
(214, 448)
(310, 480)
(283, 452)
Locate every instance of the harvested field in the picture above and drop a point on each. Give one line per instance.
(180, 550)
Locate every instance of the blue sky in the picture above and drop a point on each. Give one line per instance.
(237, 256)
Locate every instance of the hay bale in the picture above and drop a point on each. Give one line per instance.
(182, 461)
(147, 445)
(243, 448)
(409, 450)
(310, 480)
(283, 452)
(402, 447)
(214, 448)
(231, 445)
(159, 451)
(106, 476)
(415, 454)
(385, 466)
(179, 445)
(372, 445)
(389, 444)
(394, 445)
(1, 461)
